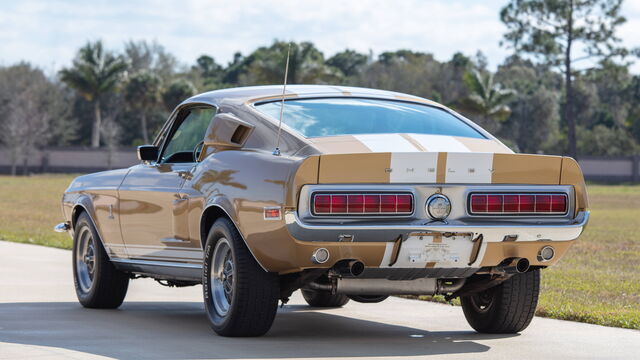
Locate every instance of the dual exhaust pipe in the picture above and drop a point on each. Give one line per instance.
(515, 265)
(355, 268)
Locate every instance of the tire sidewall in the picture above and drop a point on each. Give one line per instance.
(478, 318)
(83, 222)
(218, 230)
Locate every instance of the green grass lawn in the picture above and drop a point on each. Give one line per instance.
(598, 281)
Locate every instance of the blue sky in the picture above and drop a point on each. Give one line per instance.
(48, 33)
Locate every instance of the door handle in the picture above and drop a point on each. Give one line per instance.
(187, 175)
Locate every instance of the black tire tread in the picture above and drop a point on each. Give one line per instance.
(515, 305)
(257, 291)
(324, 299)
(111, 285)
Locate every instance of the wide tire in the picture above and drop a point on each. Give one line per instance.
(98, 283)
(504, 309)
(324, 299)
(241, 299)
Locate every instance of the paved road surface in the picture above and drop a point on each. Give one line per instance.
(40, 318)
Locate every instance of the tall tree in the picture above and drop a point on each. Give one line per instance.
(488, 100)
(306, 65)
(554, 30)
(178, 91)
(26, 112)
(151, 56)
(142, 93)
(350, 62)
(210, 71)
(95, 72)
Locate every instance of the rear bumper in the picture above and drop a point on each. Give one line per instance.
(398, 247)
(492, 232)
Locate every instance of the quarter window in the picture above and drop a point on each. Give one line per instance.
(189, 133)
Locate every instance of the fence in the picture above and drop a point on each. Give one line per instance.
(86, 160)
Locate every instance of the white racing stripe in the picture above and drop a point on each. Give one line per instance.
(469, 168)
(414, 167)
(439, 143)
(386, 143)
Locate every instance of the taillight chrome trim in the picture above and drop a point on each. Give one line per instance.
(518, 214)
(313, 213)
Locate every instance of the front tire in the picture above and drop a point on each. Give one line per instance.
(506, 308)
(241, 299)
(98, 283)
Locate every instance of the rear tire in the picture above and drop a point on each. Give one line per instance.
(506, 308)
(324, 299)
(98, 283)
(368, 299)
(240, 298)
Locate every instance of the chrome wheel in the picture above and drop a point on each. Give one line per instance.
(85, 259)
(222, 276)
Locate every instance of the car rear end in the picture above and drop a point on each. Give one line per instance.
(422, 223)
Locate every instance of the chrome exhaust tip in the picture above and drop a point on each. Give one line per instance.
(356, 267)
(515, 265)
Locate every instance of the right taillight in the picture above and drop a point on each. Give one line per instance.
(362, 204)
(518, 204)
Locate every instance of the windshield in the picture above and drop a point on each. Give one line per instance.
(342, 116)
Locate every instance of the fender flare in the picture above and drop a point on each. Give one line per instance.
(223, 204)
(84, 202)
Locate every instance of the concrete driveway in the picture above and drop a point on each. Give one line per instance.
(40, 318)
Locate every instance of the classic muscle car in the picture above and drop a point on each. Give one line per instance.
(343, 193)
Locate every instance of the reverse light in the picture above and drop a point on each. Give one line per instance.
(518, 204)
(362, 204)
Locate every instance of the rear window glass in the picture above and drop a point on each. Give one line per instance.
(345, 116)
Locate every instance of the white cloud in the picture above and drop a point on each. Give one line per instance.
(48, 33)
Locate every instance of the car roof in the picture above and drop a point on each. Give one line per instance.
(252, 94)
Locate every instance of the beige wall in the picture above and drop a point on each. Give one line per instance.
(73, 159)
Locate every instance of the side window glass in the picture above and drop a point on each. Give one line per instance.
(188, 134)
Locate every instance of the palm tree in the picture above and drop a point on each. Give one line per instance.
(94, 73)
(143, 93)
(488, 100)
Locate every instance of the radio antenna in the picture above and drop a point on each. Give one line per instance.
(276, 152)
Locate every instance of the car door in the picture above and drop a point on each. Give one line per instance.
(154, 213)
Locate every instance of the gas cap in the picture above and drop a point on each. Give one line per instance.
(438, 206)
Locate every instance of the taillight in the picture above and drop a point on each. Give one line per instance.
(514, 204)
(362, 204)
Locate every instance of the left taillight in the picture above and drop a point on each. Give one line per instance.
(362, 204)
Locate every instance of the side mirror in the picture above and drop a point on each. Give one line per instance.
(226, 131)
(148, 153)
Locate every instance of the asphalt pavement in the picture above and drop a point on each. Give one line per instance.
(40, 318)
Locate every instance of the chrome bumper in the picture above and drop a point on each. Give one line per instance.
(492, 232)
(62, 227)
